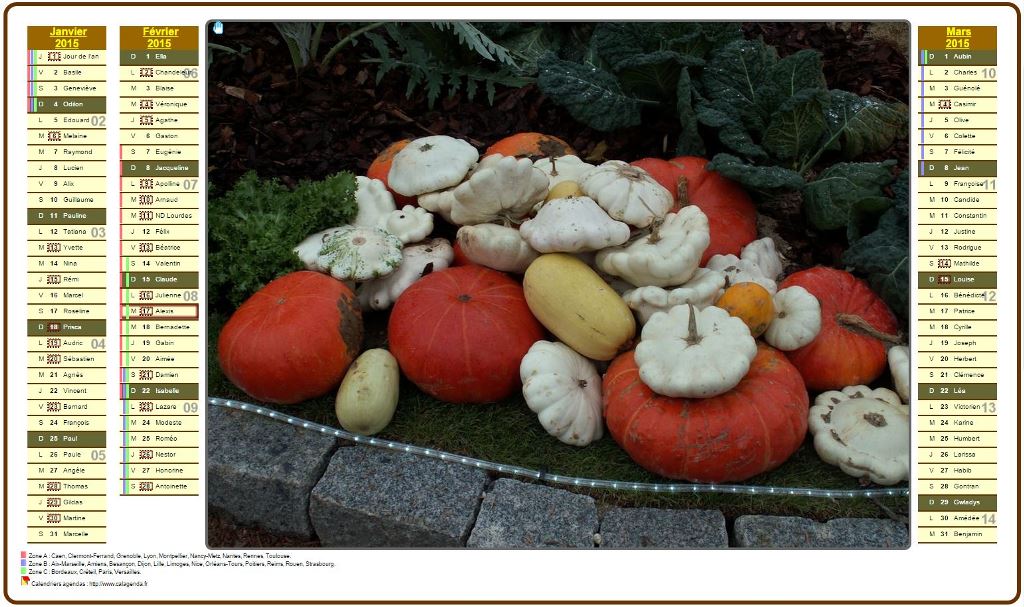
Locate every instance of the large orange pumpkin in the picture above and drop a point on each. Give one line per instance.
(459, 334)
(531, 145)
(731, 437)
(844, 353)
(293, 339)
(381, 165)
(732, 216)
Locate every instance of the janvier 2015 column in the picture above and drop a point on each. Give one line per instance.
(67, 276)
(160, 199)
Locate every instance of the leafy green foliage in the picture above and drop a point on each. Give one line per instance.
(637, 65)
(456, 56)
(778, 117)
(592, 95)
(884, 255)
(254, 226)
(864, 125)
(846, 193)
(757, 177)
(302, 39)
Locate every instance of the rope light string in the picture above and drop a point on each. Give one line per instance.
(559, 479)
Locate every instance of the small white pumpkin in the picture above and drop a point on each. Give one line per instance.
(736, 270)
(562, 168)
(797, 319)
(373, 200)
(863, 431)
(762, 253)
(498, 247)
(430, 164)
(359, 254)
(899, 367)
(418, 260)
(693, 353)
(439, 202)
(368, 395)
(626, 192)
(564, 390)
(410, 224)
(668, 256)
(502, 188)
(701, 291)
(309, 249)
(569, 225)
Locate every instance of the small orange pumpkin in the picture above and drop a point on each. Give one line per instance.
(532, 146)
(751, 303)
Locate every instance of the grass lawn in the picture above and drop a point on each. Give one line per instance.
(509, 433)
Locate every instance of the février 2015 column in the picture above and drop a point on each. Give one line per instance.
(160, 199)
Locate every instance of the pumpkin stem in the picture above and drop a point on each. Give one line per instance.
(856, 324)
(681, 195)
(694, 337)
(554, 169)
(655, 236)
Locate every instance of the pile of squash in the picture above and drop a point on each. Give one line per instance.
(555, 265)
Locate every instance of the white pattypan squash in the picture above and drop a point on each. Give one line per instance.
(562, 168)
(693, 353)
(762, 253)
(899, 367)
(410, 224)
(359, 254)
(308, 251)
(498, 247)
(430, 164)
(863, 431)
(568, 225)
(797, 319)
(502, 188)
(418, 260)
(373, 200)
(438, 202)
(736, 270)
(668, 256)
(701, 291)
(564, 390)
(626, 192)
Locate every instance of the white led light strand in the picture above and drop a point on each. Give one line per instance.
(555, 478)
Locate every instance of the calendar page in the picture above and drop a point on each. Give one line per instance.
(435, 302)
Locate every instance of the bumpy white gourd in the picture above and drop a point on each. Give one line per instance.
(502, 188)
(430, 164)
(494, 246)
(863, 431)
(626, 192)
(693, 353)
(569, 225)
(763, 254)
(410, 224)
(564, 389)
(668, 256)
(797, 319)
(418, 260)
(359, 254)
(701, 291)
(899, 367)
